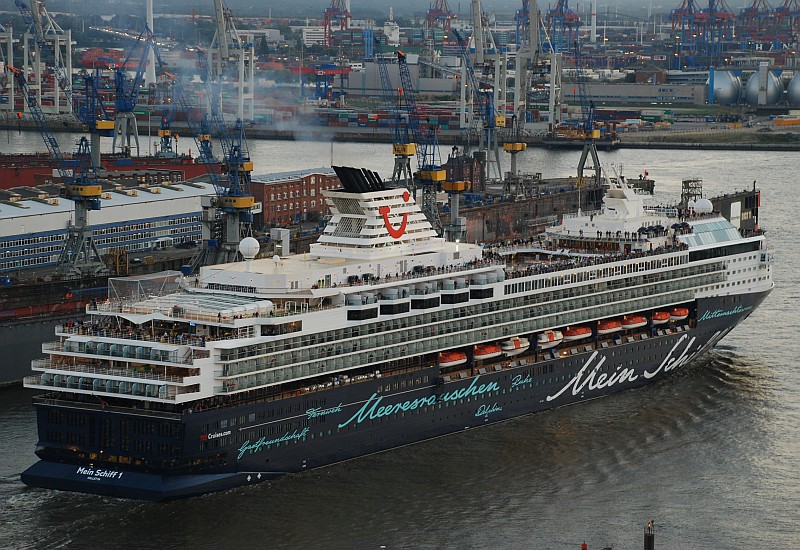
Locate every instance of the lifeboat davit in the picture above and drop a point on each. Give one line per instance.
(515, 346)
(634, 321)
(549, 338)
(577, 333)
(660, 317)
(487, 351)
(452, 358)
(678, 314)
(608, 327)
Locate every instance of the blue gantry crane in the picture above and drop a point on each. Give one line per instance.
(126, 132)
(80, 256)
(229, 218)
(92, 113)
(431, 174)
(403, 146)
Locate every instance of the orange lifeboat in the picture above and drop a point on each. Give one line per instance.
(608, 326)
(660, 317)
(515, 346)
(549, 339)
(577, 333)
(678, 314)
(634, 321)
(452, 358)
(487, 351)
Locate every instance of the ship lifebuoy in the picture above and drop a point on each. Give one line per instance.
(68, 296)
(297, 393)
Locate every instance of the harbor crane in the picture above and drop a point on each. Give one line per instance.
(80, 256)
(126, 131)
(48, 38)
(403, 147)
(229, 216)
(486, 114)
(590, 133)
(92, 114)
(233, 50)
(430, 174)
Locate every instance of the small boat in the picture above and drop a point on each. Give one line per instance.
(515, 346)
(452, 358)
(678, 314)
(634, 321)
(487, 351)
(577, 333)
(660, 317)
(609, 326)
(549, 339)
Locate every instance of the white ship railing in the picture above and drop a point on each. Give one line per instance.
(47, 364)
(60, 347)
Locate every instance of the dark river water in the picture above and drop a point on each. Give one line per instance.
(712, 454)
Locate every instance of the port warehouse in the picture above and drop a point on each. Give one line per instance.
(34, 225)
(141, 217)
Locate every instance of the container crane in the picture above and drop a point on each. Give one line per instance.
(80, 255)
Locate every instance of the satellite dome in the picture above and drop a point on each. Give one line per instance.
(691, 204)
(249, 248)
(703, 206)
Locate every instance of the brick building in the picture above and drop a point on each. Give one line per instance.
(292, 197)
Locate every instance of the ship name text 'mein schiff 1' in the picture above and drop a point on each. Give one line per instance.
(383, 335)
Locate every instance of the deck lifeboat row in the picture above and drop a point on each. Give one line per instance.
(551, 338)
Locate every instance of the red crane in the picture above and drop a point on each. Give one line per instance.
(336, 15)
(439, 15)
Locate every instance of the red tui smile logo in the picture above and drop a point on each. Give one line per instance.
(384, 211)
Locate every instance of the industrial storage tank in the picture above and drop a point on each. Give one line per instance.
(793, 90)
(774, 89)
(727, 87)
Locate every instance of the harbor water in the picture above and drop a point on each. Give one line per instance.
(712, 454)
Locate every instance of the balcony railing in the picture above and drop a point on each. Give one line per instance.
(148, 374)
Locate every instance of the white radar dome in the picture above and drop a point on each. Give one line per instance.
(249, 248)
(703, 206)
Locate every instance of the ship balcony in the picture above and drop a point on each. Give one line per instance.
(102, 387)
(161, 354)
(425, 296)
(136, 334)
(174, 375)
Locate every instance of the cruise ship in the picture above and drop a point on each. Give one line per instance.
(383, 335)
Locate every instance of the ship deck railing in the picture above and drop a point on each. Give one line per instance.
(146, 373)
(142, 336)
(59, 346)
(138, 410)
